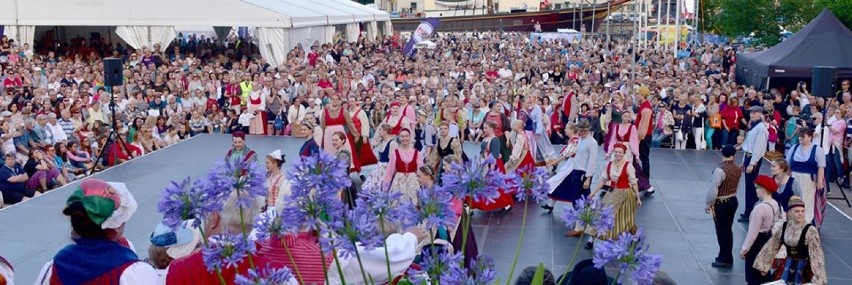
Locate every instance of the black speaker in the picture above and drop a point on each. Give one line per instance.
(823, 80)
(113, 72)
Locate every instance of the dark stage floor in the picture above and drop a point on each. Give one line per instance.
(674, 219)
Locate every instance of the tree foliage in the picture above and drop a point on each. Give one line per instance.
(766, 18)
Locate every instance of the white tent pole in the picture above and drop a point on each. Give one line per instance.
(677, 27)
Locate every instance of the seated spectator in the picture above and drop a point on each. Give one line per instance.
(43, 173)
(79, 158)
(13, 181)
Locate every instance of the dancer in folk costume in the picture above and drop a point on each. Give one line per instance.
(359, 135)
(348, 195)
(257, 107)
(335, 119)
(385, 146)
(565, 161)
(397, 120)
(623, 194)
(545, 153)
(450, 114)
(804, 260)
(446, 146)
(401, 172)
(612, 117)
(527, 123)
(521, 157)
(239, 152)
(761, 221)
(625, 132)
(583, 165)
(310, 147)
(491, 147)
(807, 163)
(503, 125)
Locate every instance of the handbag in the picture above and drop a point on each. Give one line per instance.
(279, 122)
(716, 121)
(679, 135)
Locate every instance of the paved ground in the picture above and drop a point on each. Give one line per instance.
(674, 220)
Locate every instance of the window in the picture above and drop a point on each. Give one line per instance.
(413, 6)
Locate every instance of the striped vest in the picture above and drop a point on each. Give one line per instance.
(732, 178)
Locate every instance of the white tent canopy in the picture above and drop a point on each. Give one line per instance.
(281, 24)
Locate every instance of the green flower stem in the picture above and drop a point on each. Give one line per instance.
(615, 280)
(361, 265)
(324, 268)
(204, 239)
(574, 255)
(385, 243)
(518, 246)
(466, 225)
(245, 236)
(292, 261)
(339, 268)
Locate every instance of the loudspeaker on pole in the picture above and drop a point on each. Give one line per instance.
(823, 81)
(113, 72)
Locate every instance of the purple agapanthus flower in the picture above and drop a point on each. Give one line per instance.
(443, 267)
(226, 250)
(188, 199)
(314, 200)
(245, 177)
(478, 179)
(530, 181)
(358, 227)
(434, 208)
(629, 253)
(388, 205)
(265, 276)
(481, 271)
(590, 214)
(268, 224)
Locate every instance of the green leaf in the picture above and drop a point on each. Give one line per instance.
(538, 277)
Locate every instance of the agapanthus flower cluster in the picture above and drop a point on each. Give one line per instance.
(314, 200)
(481, 271)
(434, 208)
(358, 227)
(478, 179)
(268, 224)
(590, 214)
(530, 181)
(188, 199)
(226, 250)
(266, 276)
(245, 177)
(388, 205)
(629, 253)
(440, 266)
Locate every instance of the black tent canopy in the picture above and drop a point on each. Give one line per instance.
(825, 41)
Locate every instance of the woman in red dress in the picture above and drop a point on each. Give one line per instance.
(396, 120)
(359, 135)
(491, 147)
(333, 120)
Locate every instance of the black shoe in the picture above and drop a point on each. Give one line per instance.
(718, 264)
(548, 208)
(589, 245)
(742, 220)
(650, 192)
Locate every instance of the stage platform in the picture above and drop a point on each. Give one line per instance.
(32, 232)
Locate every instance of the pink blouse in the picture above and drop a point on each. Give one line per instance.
(632, 141)
(407, 155)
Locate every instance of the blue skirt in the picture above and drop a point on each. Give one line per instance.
(571, 188)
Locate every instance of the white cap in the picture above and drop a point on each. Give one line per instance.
(276, 154)
(125, 210)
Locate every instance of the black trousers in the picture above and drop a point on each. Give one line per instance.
(750, 194)
(753, 277)
(724, 213)
(644, 152)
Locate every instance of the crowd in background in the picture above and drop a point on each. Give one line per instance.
(56, 113)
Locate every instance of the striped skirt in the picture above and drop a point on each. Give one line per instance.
(623, 203)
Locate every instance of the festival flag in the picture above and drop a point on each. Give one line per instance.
(423, 30)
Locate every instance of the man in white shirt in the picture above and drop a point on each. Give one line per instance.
(504, 72)
(56, 129)
(754, 147)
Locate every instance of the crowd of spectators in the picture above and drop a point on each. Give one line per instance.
(56, 113)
